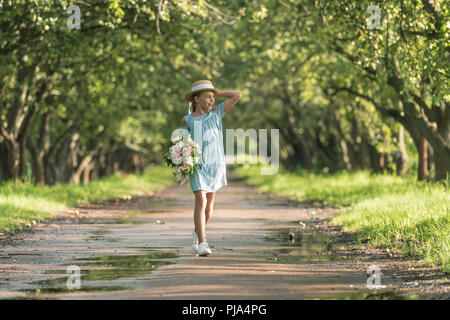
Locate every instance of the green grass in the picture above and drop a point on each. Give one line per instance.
(20, 205)
(382, 209)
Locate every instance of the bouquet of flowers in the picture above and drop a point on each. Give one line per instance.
(183, 154)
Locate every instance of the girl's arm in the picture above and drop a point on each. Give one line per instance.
(233, 97)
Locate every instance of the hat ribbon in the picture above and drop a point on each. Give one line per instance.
(202, 86)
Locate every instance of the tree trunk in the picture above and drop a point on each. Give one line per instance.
(137, 162)
(13, 162)
(84, 165)
(401, 156)
(110, 158)
(87, 172)
(3, 162)
(423, 159)
(343, 145)
(37, 163)
(432, 126)
(441, 158)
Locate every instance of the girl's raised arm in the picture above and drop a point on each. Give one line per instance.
(233, 98)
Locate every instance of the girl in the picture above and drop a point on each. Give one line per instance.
(206, 122)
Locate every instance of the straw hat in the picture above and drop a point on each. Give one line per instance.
(199, 86)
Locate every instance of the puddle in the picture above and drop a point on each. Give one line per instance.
(104, 268)
(299, 245)
(98, 235)
(123, 266)
(101, 221)
(133, 222)
(50, 290)
(153, 248)
(35, 296)
(270, 204)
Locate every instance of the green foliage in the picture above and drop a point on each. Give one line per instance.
(121, 78)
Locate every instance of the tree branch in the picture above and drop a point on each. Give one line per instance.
(371, 72)
(432, 10)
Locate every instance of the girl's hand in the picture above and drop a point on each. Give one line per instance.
(233, 98)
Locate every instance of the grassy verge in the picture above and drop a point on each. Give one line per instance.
(24, 203)
(385, 210)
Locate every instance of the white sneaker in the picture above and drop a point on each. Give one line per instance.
(194, 241)
(203, 249)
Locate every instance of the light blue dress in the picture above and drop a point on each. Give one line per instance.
(206, 130)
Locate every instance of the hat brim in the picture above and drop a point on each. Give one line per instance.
(191, 93)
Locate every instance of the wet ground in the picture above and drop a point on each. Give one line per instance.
(264, 247)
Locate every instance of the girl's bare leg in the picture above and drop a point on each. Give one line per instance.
(199, 214)
(209, 206)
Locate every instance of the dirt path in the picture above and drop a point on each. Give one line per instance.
(140, 248)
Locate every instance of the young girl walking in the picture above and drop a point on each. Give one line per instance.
(204, 124)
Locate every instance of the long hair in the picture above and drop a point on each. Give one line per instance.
(194, 104)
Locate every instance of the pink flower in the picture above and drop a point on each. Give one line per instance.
(174, 140)
(177, 160)
(187, 152)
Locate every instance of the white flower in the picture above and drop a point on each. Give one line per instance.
(189, 161)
